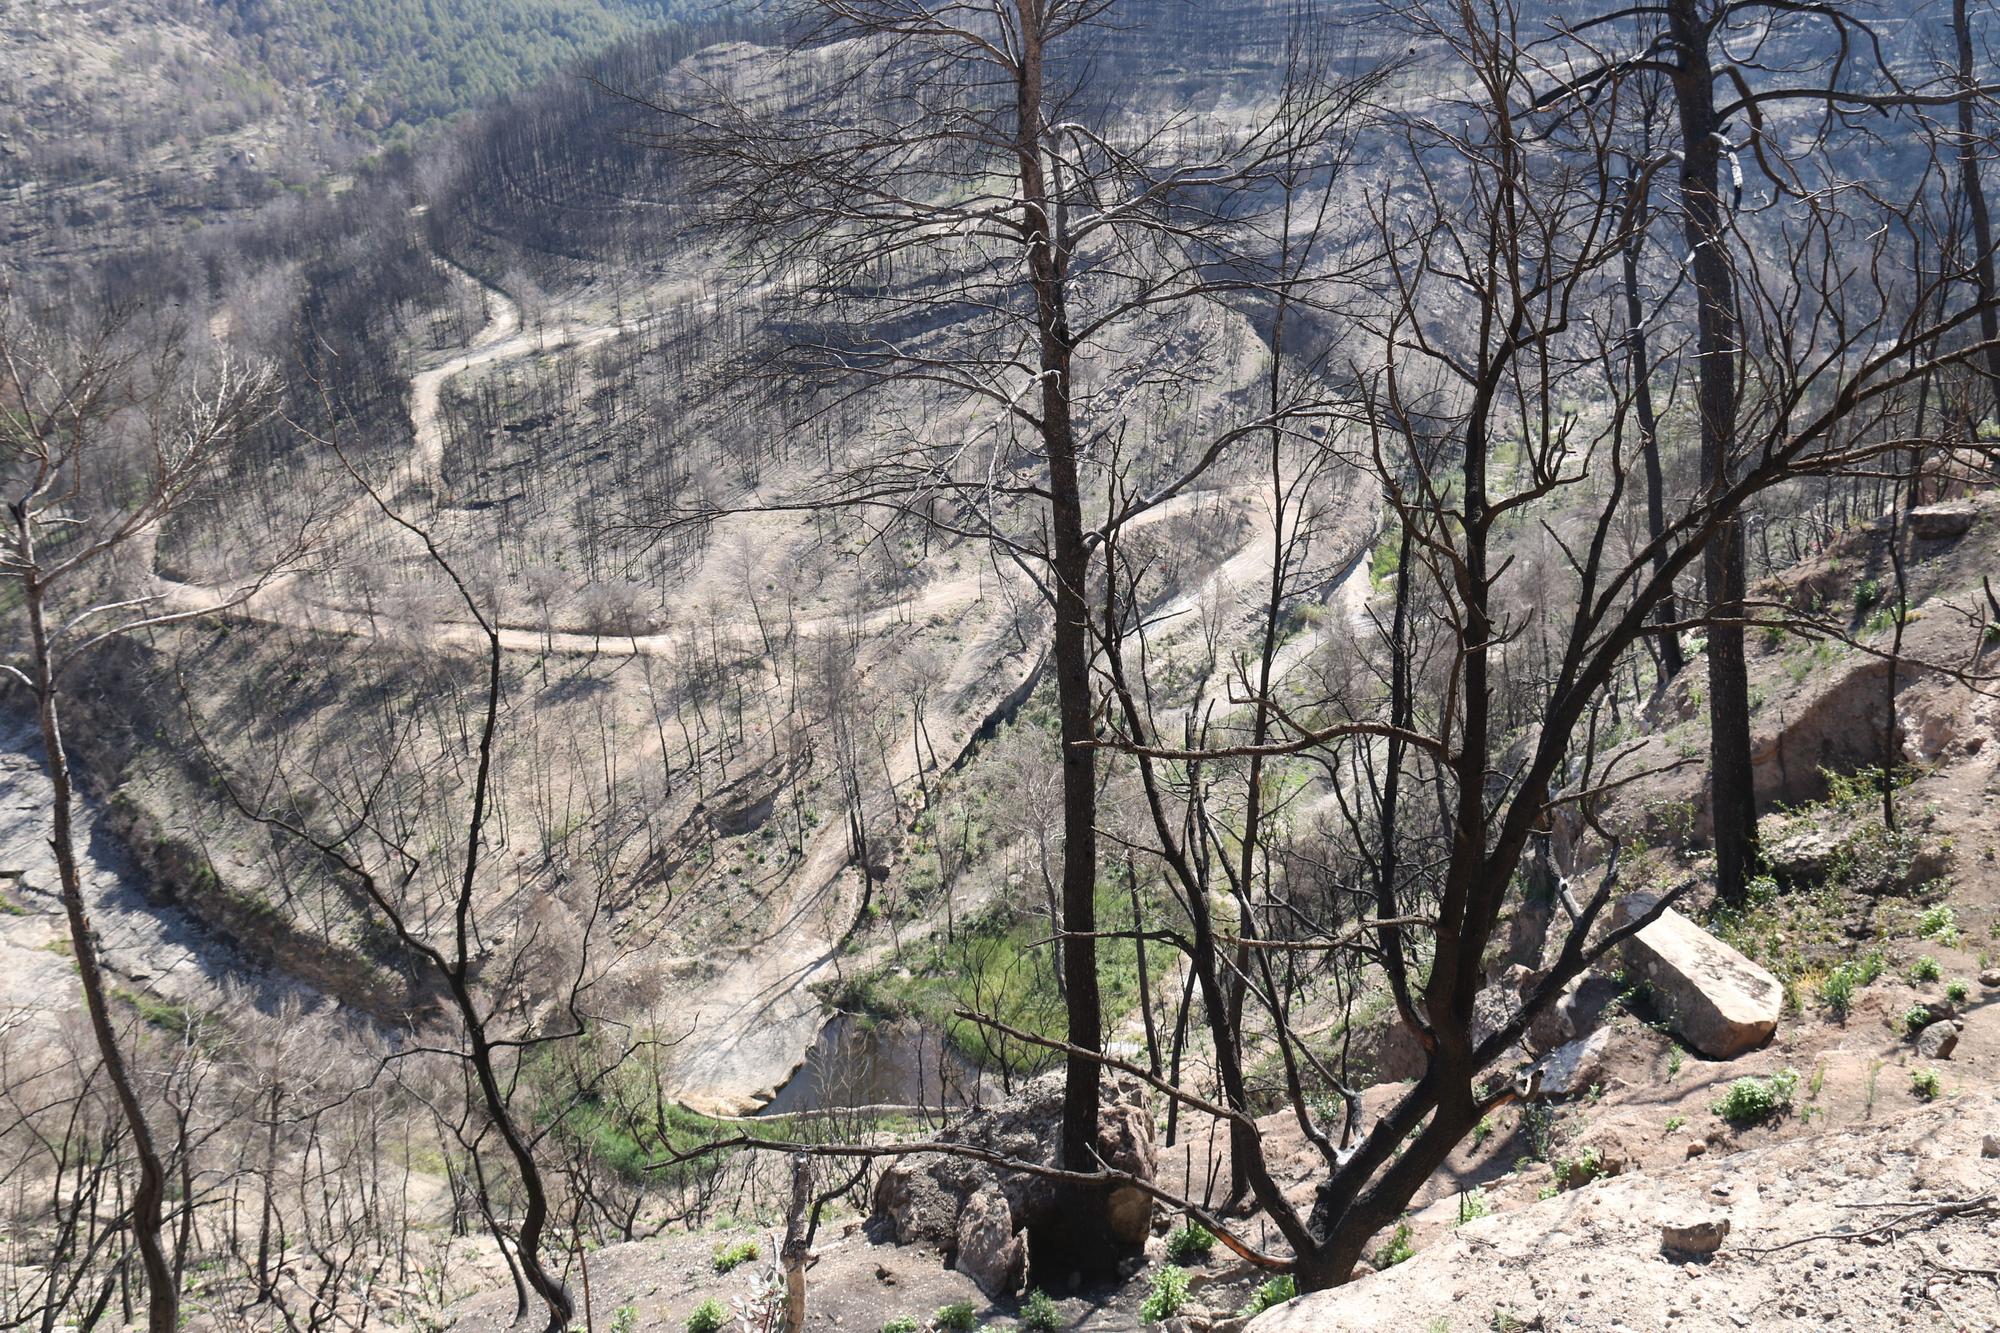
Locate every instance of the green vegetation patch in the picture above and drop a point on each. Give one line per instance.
(728, 1258)
(1751, 1100)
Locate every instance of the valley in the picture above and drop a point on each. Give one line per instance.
(1063, 666)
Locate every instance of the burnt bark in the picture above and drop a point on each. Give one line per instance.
(1732, 794)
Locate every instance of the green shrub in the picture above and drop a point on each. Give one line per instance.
(1958, 992)
(1581, 1169)
(1473, 1205)
(708, 1317)
(1916, 1018)
(1751, 1100)
(1484, 1130)
(1837, 992)
(1396, 1249)
(1168, 1296)
(1275, 1292)
(1925, 970)
(1039, 1313)
(1939, 922)
(1926, 1084)
(625, 1320)
(959, 1317)
(902, 1323)
(731, 1257)
(1190, 1243)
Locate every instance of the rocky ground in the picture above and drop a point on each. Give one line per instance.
(1632, 1194)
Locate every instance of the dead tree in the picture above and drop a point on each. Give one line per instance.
(860, 172)
(1501, 263)
(102, 439)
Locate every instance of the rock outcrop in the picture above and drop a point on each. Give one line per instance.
(989, 1250)
(1716, 1000)
(984, 1218)
(1934, 523)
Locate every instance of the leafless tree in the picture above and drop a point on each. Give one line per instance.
(861, 169)
(104, 434)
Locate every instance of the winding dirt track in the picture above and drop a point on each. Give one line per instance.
(755, 1015)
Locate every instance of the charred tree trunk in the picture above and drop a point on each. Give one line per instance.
(1975, 198)
(1732, 795)
(1087, 1247)
(149, 1195)
(1669, 640)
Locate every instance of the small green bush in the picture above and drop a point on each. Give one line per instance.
(1473, 1205)
(708, 1317)
(1751, 1100)
(959, 1317)
(902, 1323)
(1396, 1249)
(1586, 1166)
(731, 1257)
(1168, 1296)
(1039, 1313)
(1842, 984)
(1916, 1018)
(1926, 1084)
(1190, 1243)
(1275, 1292)
(625, 1320)
(1939, 922)
(1958, 991)
(1925, 970)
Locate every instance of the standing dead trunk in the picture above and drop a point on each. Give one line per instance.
(1732, 794)
(1669, 640)
(149, 1195)
(1085, 1246)
(1975, 198)
(794, 1254)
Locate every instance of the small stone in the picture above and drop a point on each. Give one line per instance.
(1696, 1148)
(1989, 1145)
(1693, 1235)
(1938, 1041)
(1990, 978)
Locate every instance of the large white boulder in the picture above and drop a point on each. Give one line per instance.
(1716, 1000)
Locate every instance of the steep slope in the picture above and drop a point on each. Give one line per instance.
(124, 124)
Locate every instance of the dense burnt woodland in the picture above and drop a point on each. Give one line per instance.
(1143, 536)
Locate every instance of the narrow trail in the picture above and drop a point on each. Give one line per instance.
(754, 1016)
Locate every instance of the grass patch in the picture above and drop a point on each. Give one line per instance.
(1003, 966)
(728, 1258)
